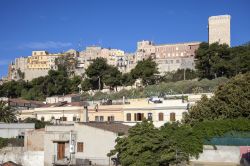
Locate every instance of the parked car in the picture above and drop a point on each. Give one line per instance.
(154, 99)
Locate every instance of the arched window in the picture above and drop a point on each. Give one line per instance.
(129, 117)
(52, 117)
(172, 116)
(161, 116)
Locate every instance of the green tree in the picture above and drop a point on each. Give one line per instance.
(146, 70)
(74, 83)
(231, 100)
(96, 71)
(86, 84)
(127, 79)
(112, 78)
(6, 114)
(240, 59)
(13, 88)
(213, 60)
(172, 144)
(140, 147)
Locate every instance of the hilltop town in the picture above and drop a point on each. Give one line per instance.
(182, 103)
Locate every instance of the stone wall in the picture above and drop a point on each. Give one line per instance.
(20, 156)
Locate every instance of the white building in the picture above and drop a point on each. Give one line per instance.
(15, 130)
(59, 112)
(158, 113)
(82, 143)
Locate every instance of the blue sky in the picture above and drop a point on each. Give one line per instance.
(58, 25)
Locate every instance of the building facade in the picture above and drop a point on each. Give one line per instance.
(15, 130)
(81, 143)
(219, 29)
(129, 113)
(169, 57)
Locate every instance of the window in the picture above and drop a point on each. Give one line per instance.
(150, 116)
(161, 116)
(63, 118)
(138, 116)
(52, 117)
(97, 118)
(111, 118)
(101, 118)
(74, 118)
(79, 146)
(172, 117)
(128, 116)
(42, 119)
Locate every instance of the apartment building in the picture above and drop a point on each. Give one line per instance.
(38, 64)
(131, 112)
(115, 57)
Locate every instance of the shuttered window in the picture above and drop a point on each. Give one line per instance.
(172, 117)
(63, 118)
(79, 146)
(139, 116)
(161, 116)
(128, 116)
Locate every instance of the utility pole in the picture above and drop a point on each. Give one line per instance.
(184, 73)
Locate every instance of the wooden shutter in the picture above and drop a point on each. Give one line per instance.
(161, 117)
(128, 116)
(172, 117)
(79, 146)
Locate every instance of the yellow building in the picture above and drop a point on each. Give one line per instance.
(41, 60)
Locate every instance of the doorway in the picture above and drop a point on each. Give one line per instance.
(60, 150)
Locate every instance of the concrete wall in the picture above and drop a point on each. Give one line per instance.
(30, 74)
(97, 144)
(34, 140)
(13, 130)
(18, 155)
(223, 155)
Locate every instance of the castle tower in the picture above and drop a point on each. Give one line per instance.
(219, 29)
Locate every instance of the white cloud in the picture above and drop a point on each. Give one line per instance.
(44, 45)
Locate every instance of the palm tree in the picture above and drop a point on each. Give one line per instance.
(6, 114)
